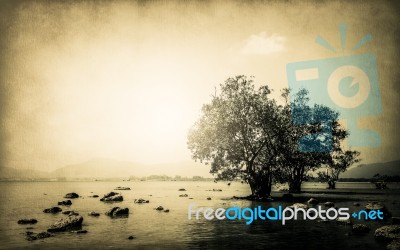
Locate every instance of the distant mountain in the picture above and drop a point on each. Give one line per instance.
(12, 173)
(369, 170)
(108, 168)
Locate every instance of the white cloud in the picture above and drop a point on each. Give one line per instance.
(262, 44)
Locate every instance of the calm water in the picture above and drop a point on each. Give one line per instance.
(154, 229)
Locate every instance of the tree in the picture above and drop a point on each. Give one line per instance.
(311, 139)
(244, 134)
(339, 162)
(233, 137)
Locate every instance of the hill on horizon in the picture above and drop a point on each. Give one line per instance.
(390, 168)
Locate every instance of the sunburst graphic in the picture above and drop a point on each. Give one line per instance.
(343, 36)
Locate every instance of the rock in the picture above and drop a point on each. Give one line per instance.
(74, 221)
(395, 220)
(159, 208)
(329, 204)
(71, 196)
(93, 213)
(131, 237)
(140, 201)
(182, 189)
(312, 201)
(356, 204)
(376, 205)
(27, 221)
(122, 188)
(217, 190)
(43, 235)
(388, 233)
(95, 196)
(69, 212)
(112, 196)
(394, 245)
(183, 195)
(52, 210)
(31, 237)
(299, 205)
(166, 210)
(81, 231)
(190, 198)
(209, 198)
(360, 228)
(65, 203)
(287, 197)
(118, 212)
(344, 222)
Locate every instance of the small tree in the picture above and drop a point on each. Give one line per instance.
(340, 161)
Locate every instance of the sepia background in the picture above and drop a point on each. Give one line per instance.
(99, 95)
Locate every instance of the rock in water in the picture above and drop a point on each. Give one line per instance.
(27, 221)
(43, 235)
(388, 233)
(65, 203)
(71, 196)
(159, 208)
(112, 196)
(93, 213)
(140, 201)
(118, 212)
(182, 189)
(131, 237)
(299, 205)
(360, 228)
(183, 195)
(74, 221)
(122, 188)
(52, 210)
(329, 204)
(313, 201)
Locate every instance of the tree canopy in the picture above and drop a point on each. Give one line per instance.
(245, 134)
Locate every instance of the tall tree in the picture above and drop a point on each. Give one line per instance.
(231, 134)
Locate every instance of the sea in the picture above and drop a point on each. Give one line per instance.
(153, 229)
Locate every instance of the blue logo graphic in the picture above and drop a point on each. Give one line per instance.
(347, 84)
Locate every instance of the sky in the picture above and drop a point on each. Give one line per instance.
(126, 80)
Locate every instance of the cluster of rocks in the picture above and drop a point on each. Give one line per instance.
(65, 203)
(32, 236)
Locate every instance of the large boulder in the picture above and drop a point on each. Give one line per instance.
(112, 196)
(52, 210)
(27, 221)
(388, 233)
(71, 196)
(71, 222)
(118, 212)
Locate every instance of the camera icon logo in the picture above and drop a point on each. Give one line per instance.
(347, 84)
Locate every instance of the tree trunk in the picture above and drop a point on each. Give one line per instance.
(295, 183)
(331, 184)
(261, 187)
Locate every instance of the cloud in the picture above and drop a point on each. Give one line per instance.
(262, 44)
